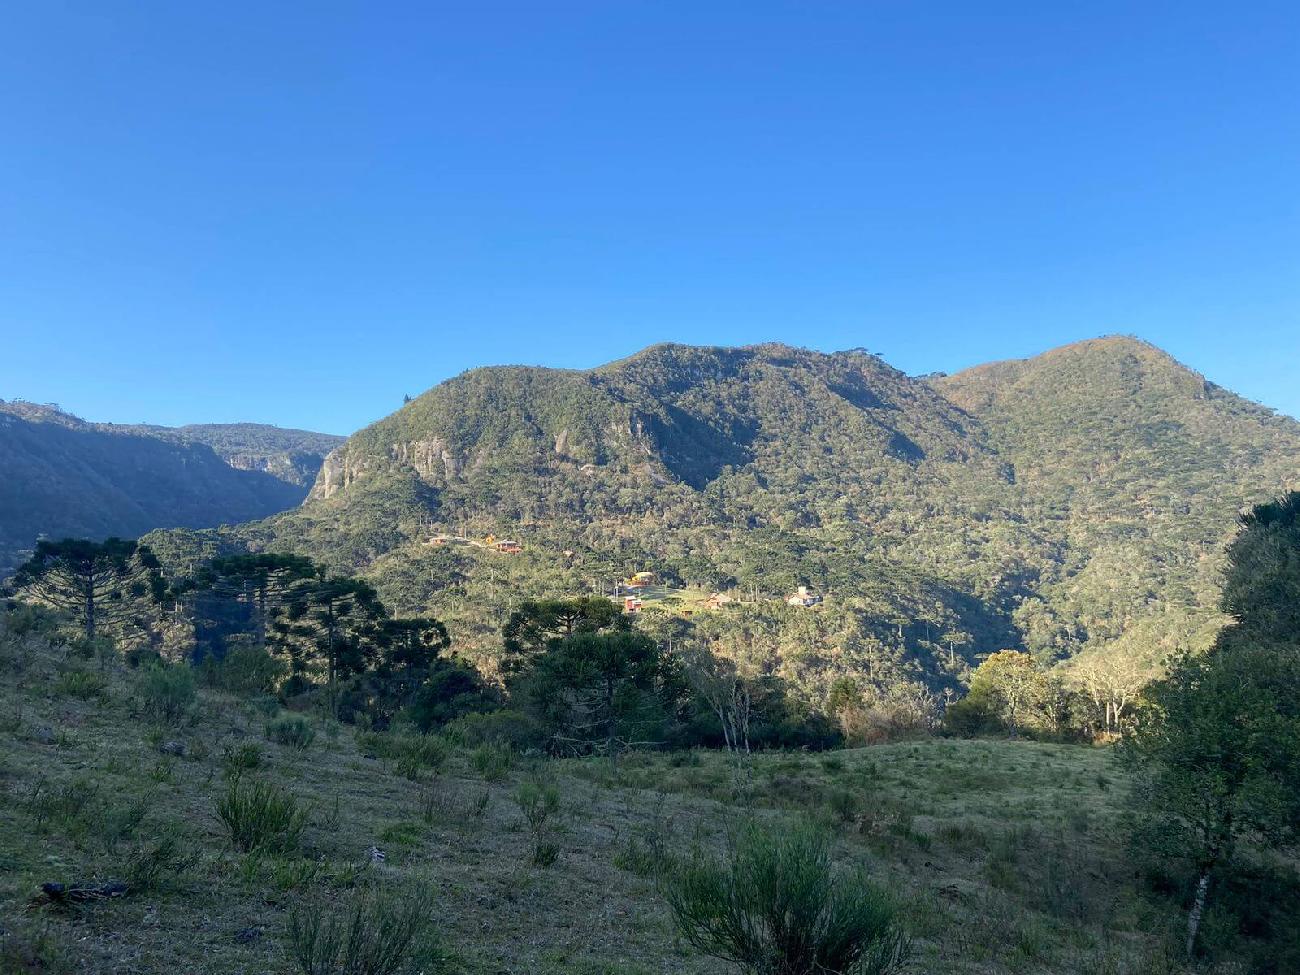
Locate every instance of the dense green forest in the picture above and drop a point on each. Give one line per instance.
(1074, 506)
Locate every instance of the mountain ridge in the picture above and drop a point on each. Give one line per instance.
(68, 476)
(1052, 503)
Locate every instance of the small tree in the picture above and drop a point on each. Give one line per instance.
(594, 689)
(101, 584)
(728, 694)
(539, 800)
(1218, 744)
(776, 906)
(1006, 689)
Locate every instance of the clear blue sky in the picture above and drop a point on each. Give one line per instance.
(296, 213)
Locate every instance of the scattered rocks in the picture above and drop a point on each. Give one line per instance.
(176, 748)
(44, 735)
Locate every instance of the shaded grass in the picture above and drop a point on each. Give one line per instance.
(937, 821)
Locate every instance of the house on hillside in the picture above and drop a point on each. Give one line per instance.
(507, 545)
(803, 597)
(631, 604)
(641, 580)
(718, 600)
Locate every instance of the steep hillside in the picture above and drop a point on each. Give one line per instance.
(1137, 468)
(1054, 503)
(64, 476)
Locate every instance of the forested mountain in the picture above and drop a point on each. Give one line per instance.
(1063, 503)
(1136, 467)
(63, 476)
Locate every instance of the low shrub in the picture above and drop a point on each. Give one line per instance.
(292, 730)
(63, 808)
(539, 801)
(142, 657)
(492, 761)
(166, 854)
(243, 757)
(24, 619)
(92, 648)
(167, 692)
(843, 804)
(409, 755)
(776, 904)
(260, 816)
(248, 670)
(514, 729)
(379, 932)
(83, 684)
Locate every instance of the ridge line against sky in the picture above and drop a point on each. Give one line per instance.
(238, 212)
(913, 373)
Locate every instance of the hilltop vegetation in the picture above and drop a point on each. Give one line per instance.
(65, 477)
(1074, 505)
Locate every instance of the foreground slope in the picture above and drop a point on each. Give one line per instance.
(1003, 854)
(64, 477)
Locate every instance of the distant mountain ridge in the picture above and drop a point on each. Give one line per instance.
(1054, 503)
(65, 476)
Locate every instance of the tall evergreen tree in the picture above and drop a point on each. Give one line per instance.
(600, 691)
(540, 623)
(259, 580)
(329, 628)
(101, 584)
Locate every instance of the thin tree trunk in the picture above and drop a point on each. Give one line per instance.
(610, 725)
(90, 610)
(1198, 907)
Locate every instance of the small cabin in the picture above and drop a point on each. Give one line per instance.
(507, 545)
(631, 604)
(803, 597)
(642, 579)
(718, 600)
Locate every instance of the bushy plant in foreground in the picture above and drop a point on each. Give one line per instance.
(379, 932)
(260, 816)
(539, 801)
(775, 905)
(167, 693)
(292, 730)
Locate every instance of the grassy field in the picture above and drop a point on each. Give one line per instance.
(1005, 854)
